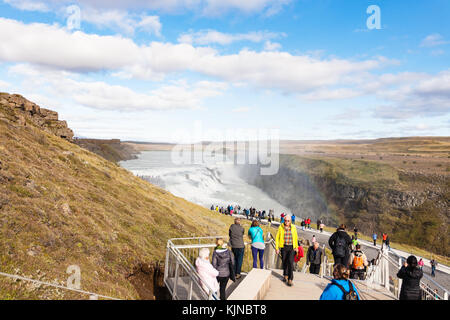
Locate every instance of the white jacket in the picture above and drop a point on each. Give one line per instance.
(208, 275)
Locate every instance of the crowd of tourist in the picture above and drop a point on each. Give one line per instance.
(350, 262)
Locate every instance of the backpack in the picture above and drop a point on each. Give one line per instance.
(351, 295)
(358, 262)
(340, 247)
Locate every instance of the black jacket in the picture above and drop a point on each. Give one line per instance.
(236, 234)
(310, 256)
(222, 261)
(343, 235)
(411, 283)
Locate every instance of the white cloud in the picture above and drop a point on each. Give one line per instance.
(104, 96)
(424, 97)
(205, 37)
(28, 5)
(272, 46)
(122, 21)
(4, 85)
(433, 40)
(205, 7)
(56, 47)
(331, 94)
(241, 110)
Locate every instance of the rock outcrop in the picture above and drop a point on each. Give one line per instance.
(23, 112)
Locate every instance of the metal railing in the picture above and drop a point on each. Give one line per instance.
(181, 277)
(39, 283)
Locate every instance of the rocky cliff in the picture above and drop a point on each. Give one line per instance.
(411, 215)
(112, 150)
(22, 112)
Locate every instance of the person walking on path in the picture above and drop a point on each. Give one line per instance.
(388, 241)
(421, 264)
(355, 231)
(303, 224)
(287, 241)
(236, 233)
(411, 275)
(340, 287)
(374, 238)
(322, 226)
(293, 219)
(223, 261)
(355, 242)
(207, 273)
(314, 258)
(340, 243)
(384, 240)
(313, 239)
(299, 255)
(257, 235)
(318, 223)
(282, 218)
(433, 267)
(358, 262)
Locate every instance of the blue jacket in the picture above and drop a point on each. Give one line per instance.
(333, 292)
(257, 234)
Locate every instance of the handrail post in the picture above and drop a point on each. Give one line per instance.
(176, 280)
(386, 274)
(191, 283)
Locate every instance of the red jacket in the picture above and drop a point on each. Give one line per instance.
(299, 254)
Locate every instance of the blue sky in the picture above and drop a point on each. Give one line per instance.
(141, 70)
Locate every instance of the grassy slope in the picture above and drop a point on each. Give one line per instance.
(62, 205)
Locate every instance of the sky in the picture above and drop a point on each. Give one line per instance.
(156, 70)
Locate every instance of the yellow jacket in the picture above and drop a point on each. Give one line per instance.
(279, 239)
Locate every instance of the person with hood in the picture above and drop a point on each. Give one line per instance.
(207, 273)
(411, 275)
(421, 264)
(358, 262)
(236, 233)
(340, 243)
(314, 258)
(340, 287)
(223, 261)
(286, 240)
(257, 235)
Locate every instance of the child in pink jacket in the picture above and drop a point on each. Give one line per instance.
(208, 275)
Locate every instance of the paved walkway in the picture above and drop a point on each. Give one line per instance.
(310, 287)
(306, 287)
